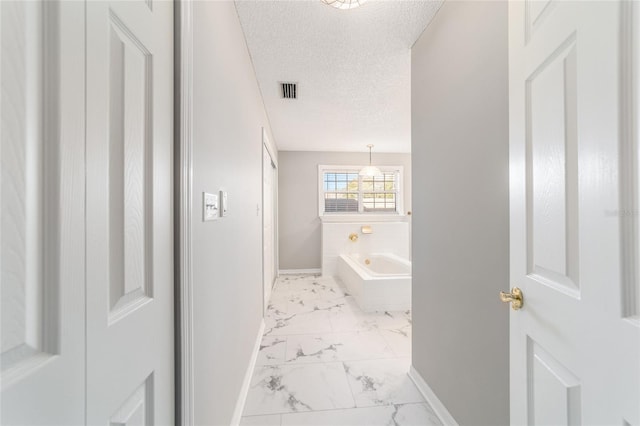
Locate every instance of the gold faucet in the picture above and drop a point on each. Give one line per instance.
(353, 237)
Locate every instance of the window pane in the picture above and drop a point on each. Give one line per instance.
(342, 191)
(340, 202)
(379, 202)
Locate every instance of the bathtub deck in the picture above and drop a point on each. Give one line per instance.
(325, 362)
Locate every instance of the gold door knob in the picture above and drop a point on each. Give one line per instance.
(515, 297)
(353, 237)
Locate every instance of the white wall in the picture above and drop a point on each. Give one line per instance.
(460, 216)
(299, 223)
(228, 116)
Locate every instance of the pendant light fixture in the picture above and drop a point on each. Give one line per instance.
(370, 170)
(344, 4)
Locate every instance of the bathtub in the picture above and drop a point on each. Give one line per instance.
(378, 282)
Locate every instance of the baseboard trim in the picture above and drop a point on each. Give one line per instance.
(441, 411)
(299, 271)
(244, 391)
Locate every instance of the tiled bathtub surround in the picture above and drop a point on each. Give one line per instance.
(324, 362)
(387, 237)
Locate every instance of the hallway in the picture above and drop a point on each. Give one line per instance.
(163, 161)
(323, 361)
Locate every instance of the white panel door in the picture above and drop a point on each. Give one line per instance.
(130, 353)
(42, 193)
(268, 220)
(573, 82)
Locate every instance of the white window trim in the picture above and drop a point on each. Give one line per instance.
(350, 215)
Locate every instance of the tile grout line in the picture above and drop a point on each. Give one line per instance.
(325, 410)
(335, 331)
(353, 395)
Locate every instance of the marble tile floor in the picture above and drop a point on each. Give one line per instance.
(324, 362)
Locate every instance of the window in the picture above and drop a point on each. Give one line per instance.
(342, 190)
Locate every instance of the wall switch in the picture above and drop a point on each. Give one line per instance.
(224, 203)
(210, 209)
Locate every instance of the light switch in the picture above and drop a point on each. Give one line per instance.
(224, 203)
(210, 209)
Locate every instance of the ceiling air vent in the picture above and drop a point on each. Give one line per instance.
(289, 90)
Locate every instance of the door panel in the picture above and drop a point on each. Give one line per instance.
(42, 154)
(23, 187)
(138, 408)
(130, 167)
(629, 211)
(575, 344)
(552, 173)
(553, 391)
(129, 213)
(630, 93)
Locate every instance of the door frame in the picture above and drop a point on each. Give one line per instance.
(183, 182)
(183, 210)
(268, 148)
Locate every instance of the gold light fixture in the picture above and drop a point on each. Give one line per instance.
(370, 170)
(344, 4)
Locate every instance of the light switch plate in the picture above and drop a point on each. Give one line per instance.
(224, 203)
(210, 207)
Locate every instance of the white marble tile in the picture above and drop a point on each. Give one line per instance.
(320, 351)
(306, 291)
(399, 339)
(305, 322)
(381, 382)
(272, 350)
(329, 305)
(276, 306)
(329, 347)
(294, 388)
(391, 320)
(290, 278)
(387, 415)
(416, 415)
(271, 420)
(351, 318)
(370, 416)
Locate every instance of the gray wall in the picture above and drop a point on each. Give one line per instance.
(461, 212)
(228, 115)
(298, 222)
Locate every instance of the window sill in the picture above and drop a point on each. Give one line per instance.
(363, 217)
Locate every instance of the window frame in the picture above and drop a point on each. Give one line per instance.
(397, 170)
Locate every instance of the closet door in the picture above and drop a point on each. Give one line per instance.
(42, 193)
(129, 213)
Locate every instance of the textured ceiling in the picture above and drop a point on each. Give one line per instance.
(353, 69)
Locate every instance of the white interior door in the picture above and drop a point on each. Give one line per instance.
(575, 344)
(129, 213)
(268, 220)
(42, 194)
